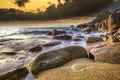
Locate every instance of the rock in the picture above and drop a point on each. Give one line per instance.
(114, 21)
(55, 58)
(108, 54)
(104, 37)
(77, 39)
(93, 39)
(51, 44)
(82, 26)
(56, 32)
(87, 30)
(112, 39)
(103, 26)
(36, 49)
(9, 53)
(17, 74)
(62, 37)
(82, 69)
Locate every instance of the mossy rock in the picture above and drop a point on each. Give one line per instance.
(52, 59)
(17, 74)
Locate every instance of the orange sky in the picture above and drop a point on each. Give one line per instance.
(32, 5)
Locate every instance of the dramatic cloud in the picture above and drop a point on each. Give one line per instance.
(77, 7)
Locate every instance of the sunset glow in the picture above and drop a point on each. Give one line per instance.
(33, 5)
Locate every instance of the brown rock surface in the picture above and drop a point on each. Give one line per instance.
(108, 54)
(83, 69)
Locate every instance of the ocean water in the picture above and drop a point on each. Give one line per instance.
(24, 37)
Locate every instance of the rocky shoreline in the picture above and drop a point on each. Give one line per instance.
(96, 61)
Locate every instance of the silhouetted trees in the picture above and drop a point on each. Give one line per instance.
(70, 8)
(21, 3)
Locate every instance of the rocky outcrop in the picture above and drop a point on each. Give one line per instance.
(111, 23)
(62, 37)
(114, 21)
(55, 58)
(93, 39)
(17, 74)
(109, 53)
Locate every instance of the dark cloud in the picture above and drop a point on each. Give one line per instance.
(76, 8)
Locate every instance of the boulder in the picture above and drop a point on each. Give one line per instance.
(109, 53)
(79, 37)
(62, 37)
(51, 44)
(83, 69)
(87, 30)
(55, 58)
(104, 37)
(17, 74)
(93, 39)
(56, 32)
(36, 48)
(112, 39)
(9, 53)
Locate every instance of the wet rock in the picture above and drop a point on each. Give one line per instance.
(108, 54)
(82, 26)
(112, 39)
(55, 58)
(56, 32)
(87, 30)
(36, 49)
(9, 53)
(63, 37)
(17, 74)
(77, 39)
(104, 37)
(93, 39)
(51, 44)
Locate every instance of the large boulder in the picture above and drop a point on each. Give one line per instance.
(17, 74)
(83, 69)
(109, 53)
(62, 37)
(93, 39)
(52, 59)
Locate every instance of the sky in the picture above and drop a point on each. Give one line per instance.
(32, 5)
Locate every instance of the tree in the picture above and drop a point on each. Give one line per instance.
(21, 3)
